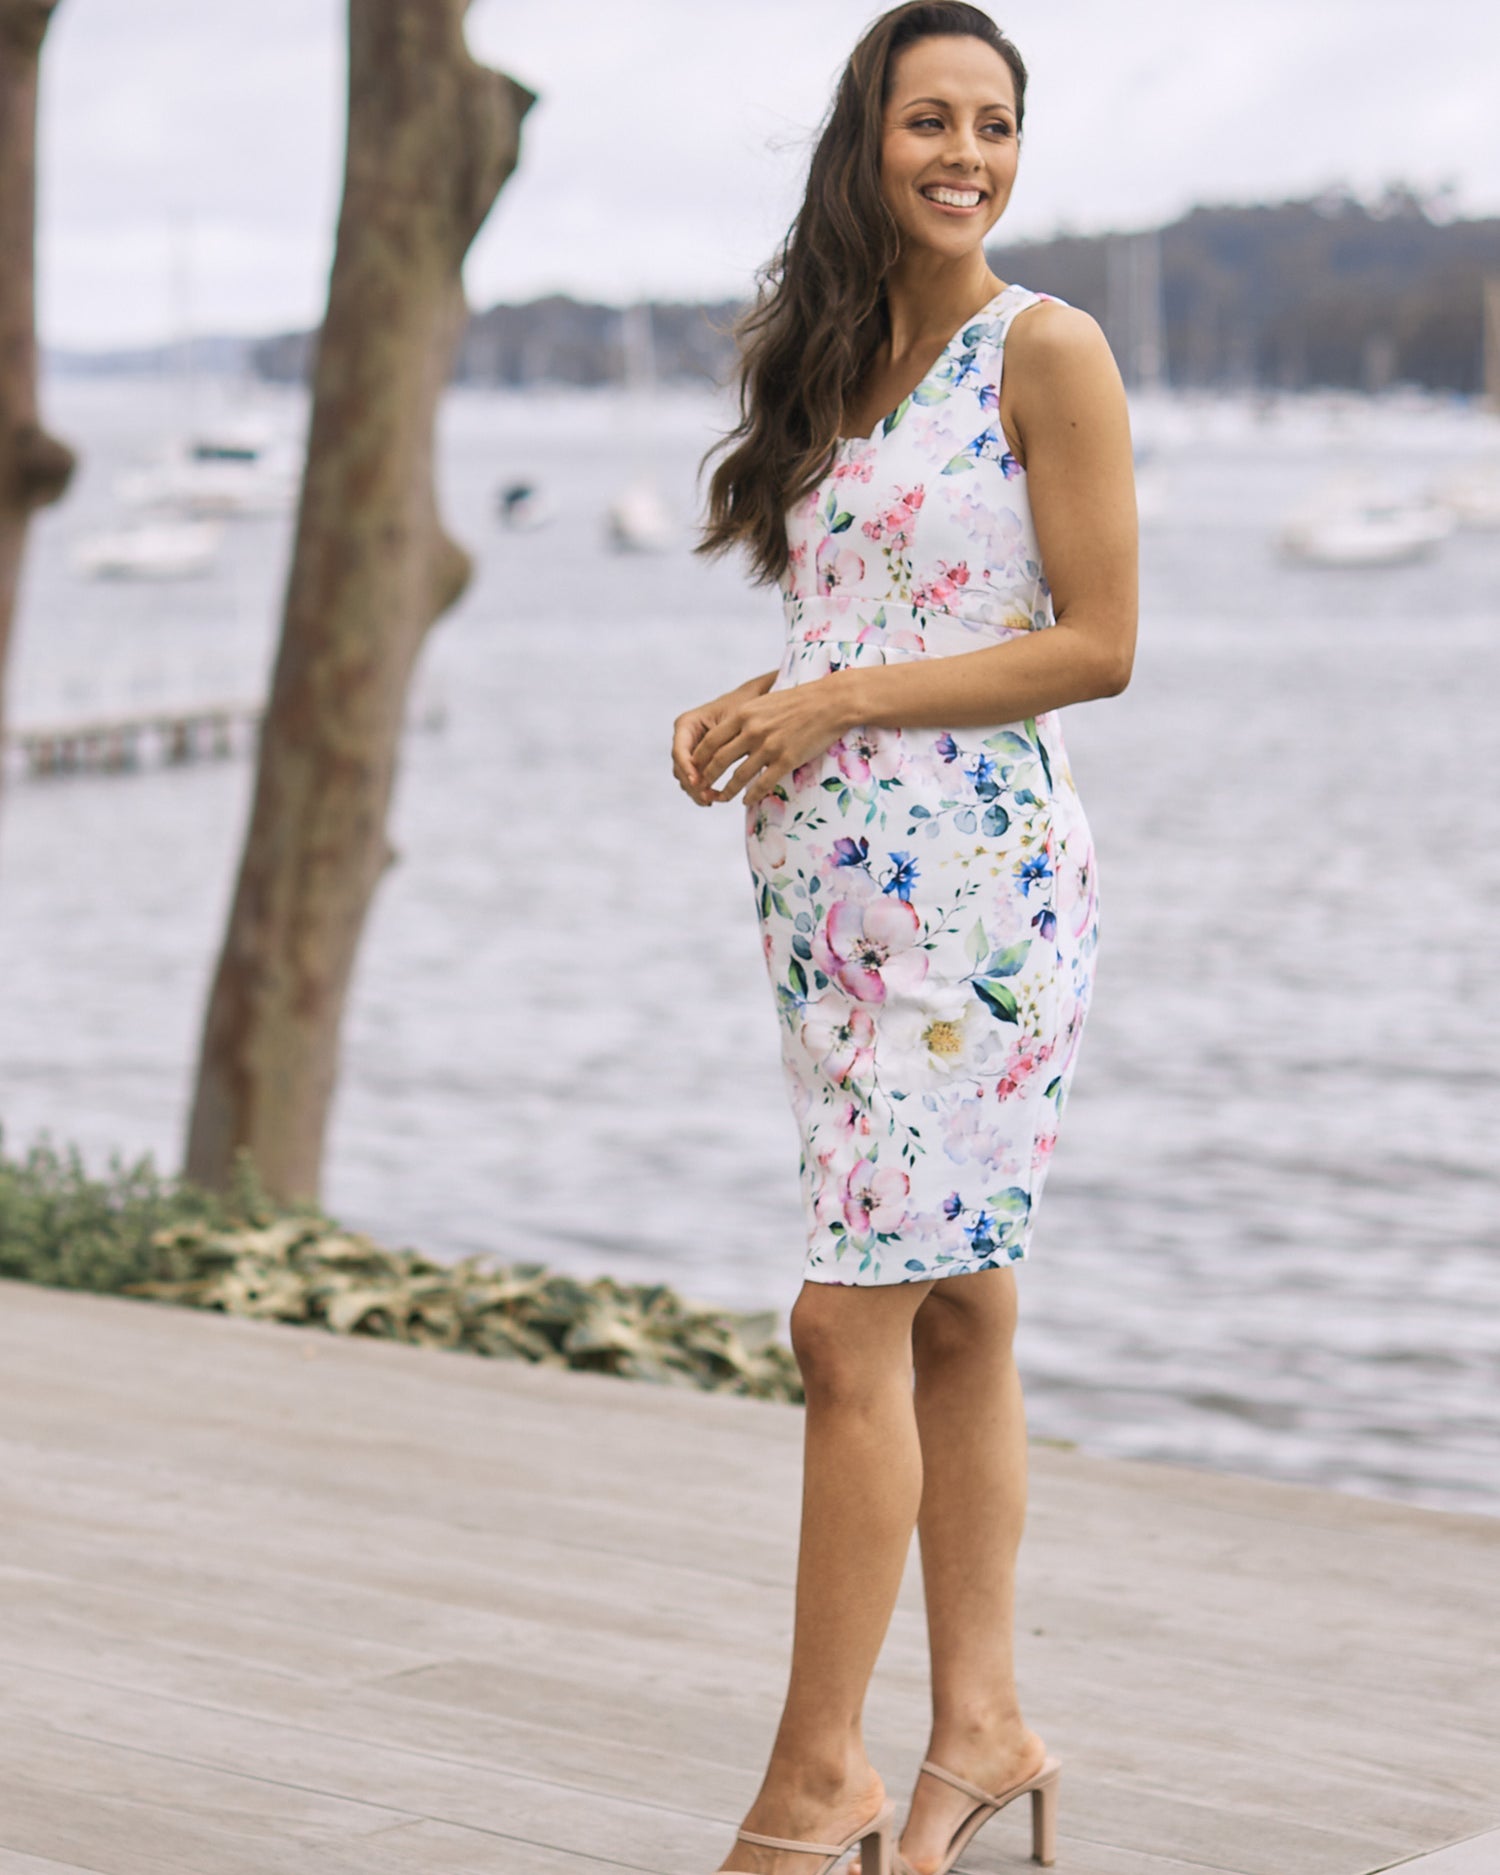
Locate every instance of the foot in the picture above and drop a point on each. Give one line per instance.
(937, 1808)
(801, 1814)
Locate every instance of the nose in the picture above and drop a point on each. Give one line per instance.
(963, 151)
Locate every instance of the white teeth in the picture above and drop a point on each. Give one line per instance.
(954, 198)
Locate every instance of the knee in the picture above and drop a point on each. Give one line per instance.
(964, 1317)
(839, 1366)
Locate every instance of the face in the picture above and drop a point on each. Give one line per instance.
(950, 125)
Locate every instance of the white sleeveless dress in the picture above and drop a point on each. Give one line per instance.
(927, 897)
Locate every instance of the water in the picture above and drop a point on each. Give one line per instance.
(1269, 1240)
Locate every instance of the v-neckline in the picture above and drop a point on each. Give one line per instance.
(880, 422)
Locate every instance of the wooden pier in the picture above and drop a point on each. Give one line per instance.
(279, 1602)
(149, 738)
(165, 737)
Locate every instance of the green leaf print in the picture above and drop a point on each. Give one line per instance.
(895, 417)
(1008, 963)
(843, 519)
(955, 465)
(1009, 743)
(977, 944)
(797, 977)
(1013, 1201)
(997, 999)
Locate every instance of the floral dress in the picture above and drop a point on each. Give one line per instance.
(927, 897)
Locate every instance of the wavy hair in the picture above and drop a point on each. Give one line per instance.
(820, 313)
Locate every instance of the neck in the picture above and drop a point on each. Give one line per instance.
(927, 299)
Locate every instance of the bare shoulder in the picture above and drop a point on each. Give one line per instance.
(1061, 369)
(1060, 342)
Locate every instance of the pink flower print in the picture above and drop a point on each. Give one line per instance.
(862, 754)
(796, 554)
(874, 1197)
(806, 774)
(973, 1134)
(852, 1121)
(940, 591)
(867, 947)
(767, 830)
(855, 468)
(892, 526)
(840, 1036)
(1026, 1056)
(898, 639)
(1041, 1148)
(837, 566)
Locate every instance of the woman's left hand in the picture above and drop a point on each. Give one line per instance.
(769, 736)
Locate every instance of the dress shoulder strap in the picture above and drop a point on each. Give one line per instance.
(1016, 300)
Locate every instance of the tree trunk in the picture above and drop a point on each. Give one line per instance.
(432, 136)
(34, 467)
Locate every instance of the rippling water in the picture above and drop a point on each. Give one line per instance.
(1269, 1240)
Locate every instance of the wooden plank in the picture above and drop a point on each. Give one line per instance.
(267, 1544)
(1479, 1855)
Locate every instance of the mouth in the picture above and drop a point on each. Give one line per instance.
(953, 201)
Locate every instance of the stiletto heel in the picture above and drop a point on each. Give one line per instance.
(1044, 1821)
(875, 1840)
(1042, 1785)
(875, 1848)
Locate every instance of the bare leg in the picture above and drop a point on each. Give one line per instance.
(972, 1426)
(862, 1482)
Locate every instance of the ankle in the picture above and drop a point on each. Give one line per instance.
(976, 1725)
(818, 1771)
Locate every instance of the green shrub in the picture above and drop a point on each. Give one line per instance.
(136, 1232)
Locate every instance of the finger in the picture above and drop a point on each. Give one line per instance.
(722, 760)
(746, 772)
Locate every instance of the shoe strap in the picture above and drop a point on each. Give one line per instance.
(958, 1783)
(987, 1797)
(782, 1842)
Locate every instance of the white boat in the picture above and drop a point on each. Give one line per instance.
(1472, 495)
(1353, 525)
(523, 507)
(150, 549)
(638, 520)
(236, 467)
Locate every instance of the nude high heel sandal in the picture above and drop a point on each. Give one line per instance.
(1043, 1787)
(875, 1839)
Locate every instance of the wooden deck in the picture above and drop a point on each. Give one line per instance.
(273, 1600)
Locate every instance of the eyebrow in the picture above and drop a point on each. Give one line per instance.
(997, 106)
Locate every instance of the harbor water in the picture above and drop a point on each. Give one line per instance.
(1270, 1241)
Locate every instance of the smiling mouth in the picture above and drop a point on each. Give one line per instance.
(941, 196)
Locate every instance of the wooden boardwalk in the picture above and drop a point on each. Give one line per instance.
(276, 1601)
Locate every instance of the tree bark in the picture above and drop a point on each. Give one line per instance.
(34, 467)
(432, 136)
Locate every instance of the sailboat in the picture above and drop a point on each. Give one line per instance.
(163, 538)
(1353, 522)
(638, 519)
(1472, 494)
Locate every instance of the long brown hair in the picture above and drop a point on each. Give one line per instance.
(820, 313)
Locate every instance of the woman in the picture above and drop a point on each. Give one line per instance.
(924, 879)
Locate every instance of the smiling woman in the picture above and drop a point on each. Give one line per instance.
(936, 468)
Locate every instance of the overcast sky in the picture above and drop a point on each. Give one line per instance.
(191, 149)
